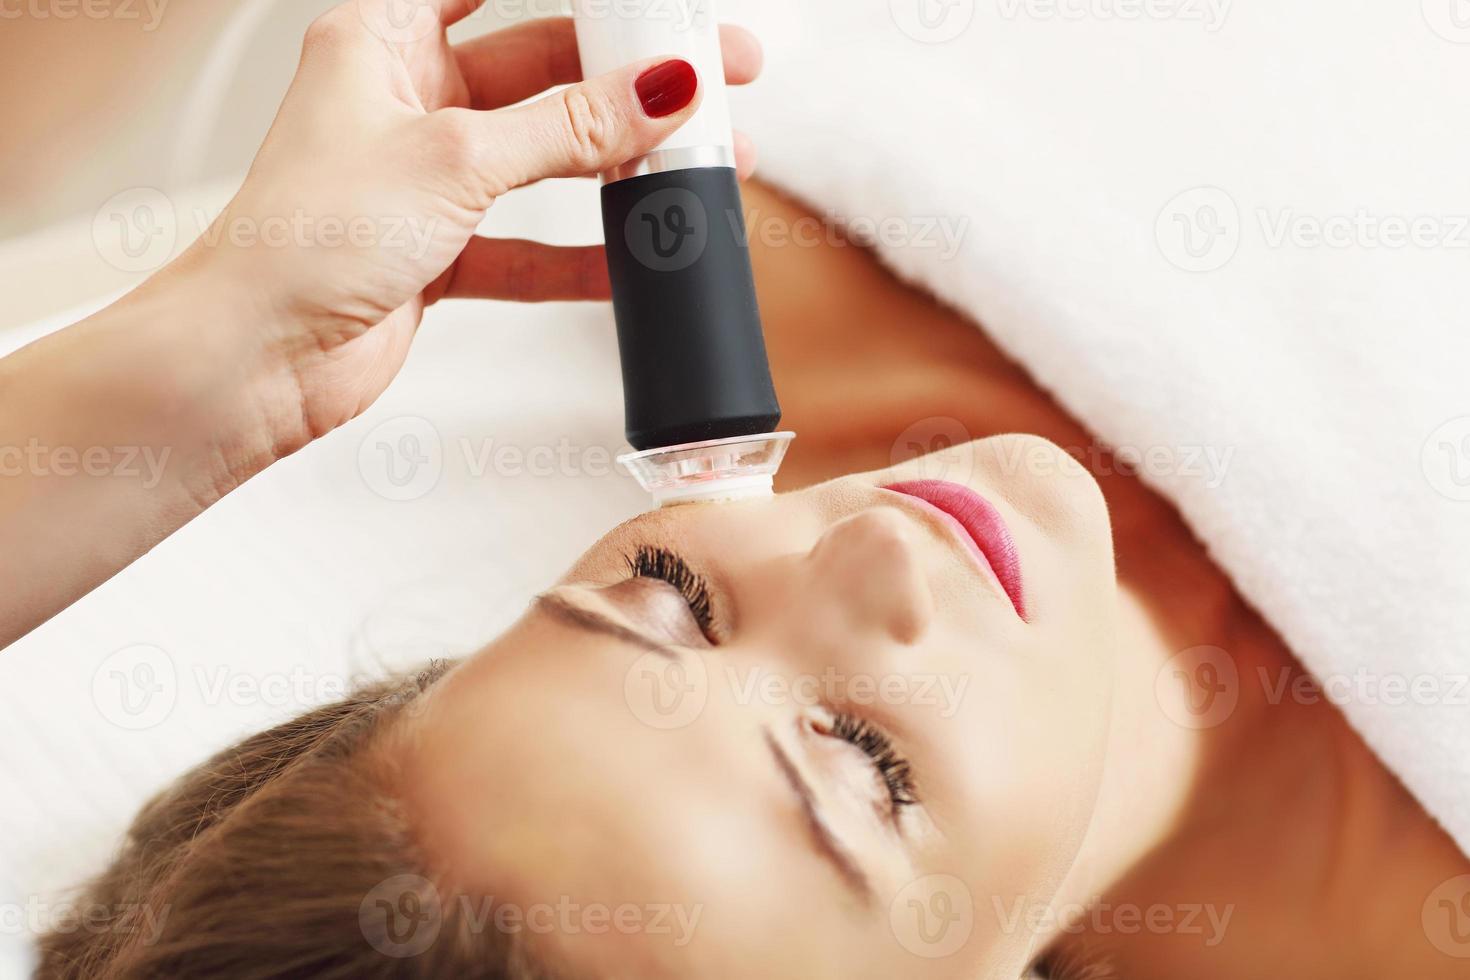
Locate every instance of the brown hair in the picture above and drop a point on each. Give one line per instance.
(287, 855)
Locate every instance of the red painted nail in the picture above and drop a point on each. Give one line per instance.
(665, 89)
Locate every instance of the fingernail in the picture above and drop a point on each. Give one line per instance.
(665, 89)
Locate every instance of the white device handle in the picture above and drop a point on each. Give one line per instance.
(614, 33)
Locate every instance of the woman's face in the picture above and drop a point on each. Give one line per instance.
(859, 761)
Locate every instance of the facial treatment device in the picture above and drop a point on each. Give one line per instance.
(697, 392)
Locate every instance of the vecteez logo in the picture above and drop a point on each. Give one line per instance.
(1445, 917)
(136, 230)
(1450, 19)
(402, 459)
(1199, 229)
(933, 916)
(1208, 14)
(401, 917)
(932, 21)
(668, 231)
(136, 688)
(666, 694)
(1446, 459)
(399, 21)
(1198, 688)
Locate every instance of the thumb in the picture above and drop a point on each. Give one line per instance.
(591, 126)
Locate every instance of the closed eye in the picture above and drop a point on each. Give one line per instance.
(892, 768)
(666, 566)
(828, 844)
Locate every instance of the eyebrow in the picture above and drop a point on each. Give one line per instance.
(580, 617)
(827, 843)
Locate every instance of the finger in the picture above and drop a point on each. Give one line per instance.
(512, 65)
(743, 55)
(451, 12)
(528, 272)
(745, 155)
(407, 22)
(588, 127)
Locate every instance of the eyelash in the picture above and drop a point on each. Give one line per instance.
(895, 770)
(664, 565)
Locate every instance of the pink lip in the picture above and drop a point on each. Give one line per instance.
(978, 526)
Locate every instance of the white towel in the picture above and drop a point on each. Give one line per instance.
(1229, 228)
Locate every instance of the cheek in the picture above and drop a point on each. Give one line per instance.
(1010, 765)
(1073, 646)
(1072, 596)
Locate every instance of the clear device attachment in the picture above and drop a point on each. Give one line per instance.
(720, 470)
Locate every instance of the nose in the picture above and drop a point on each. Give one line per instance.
(871, 567)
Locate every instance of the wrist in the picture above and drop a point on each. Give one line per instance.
(189, 355)
(118, 430)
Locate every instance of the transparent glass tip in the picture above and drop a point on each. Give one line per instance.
(721, 470)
